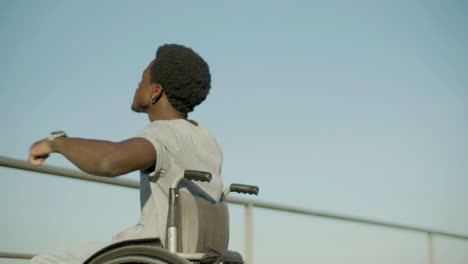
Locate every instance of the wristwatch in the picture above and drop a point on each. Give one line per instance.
(53, 136)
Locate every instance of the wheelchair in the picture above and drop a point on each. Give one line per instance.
(197, 231)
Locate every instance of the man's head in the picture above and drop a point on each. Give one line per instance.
(178, 74)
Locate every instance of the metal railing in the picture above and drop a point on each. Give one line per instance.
(248, 204)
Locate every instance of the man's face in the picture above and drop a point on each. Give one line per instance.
(142, 98)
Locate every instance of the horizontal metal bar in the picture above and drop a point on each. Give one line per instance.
(296, 210)
(20, 164)
(69, 173)
(16, 255)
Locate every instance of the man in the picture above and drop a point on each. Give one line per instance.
(176, 81)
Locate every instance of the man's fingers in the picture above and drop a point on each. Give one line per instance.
(34, 161)
(37, 160)
(38, 152)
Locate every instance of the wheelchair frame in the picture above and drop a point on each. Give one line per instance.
(150, 251)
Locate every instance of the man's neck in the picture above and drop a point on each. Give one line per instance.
(153, 116)
(163, 110)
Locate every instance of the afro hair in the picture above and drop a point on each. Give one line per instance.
(184, 76)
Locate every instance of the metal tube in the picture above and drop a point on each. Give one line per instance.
(16, 255)
(172, 220)
(172, 239)
(58, 171)
(64, 172)
(249, 233)
(296, 210)
(430, 248)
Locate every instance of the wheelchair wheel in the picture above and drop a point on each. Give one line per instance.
(143, 254)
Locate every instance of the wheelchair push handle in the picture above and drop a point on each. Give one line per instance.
(243, 188)
(195, 175)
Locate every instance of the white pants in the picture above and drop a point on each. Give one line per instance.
(72, 255)
(79, 253)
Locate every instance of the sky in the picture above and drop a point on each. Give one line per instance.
(351, 107)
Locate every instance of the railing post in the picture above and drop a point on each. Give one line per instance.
(249, 233)
(430, 245)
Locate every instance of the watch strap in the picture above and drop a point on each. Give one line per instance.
(52, 136)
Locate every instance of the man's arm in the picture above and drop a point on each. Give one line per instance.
(98, 157)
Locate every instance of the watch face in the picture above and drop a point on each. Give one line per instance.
(56, 134)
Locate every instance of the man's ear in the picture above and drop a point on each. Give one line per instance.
(156, 89)
(156, 92)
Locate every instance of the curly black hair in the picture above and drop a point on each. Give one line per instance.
(184, 76)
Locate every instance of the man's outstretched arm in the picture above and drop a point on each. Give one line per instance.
(98, 157)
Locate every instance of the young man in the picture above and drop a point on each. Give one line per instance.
(171, 86)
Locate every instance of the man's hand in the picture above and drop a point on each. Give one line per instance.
(39, 151)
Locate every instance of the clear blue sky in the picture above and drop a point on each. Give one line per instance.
(354, 108)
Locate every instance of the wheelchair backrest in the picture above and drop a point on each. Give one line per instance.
(202, 224)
